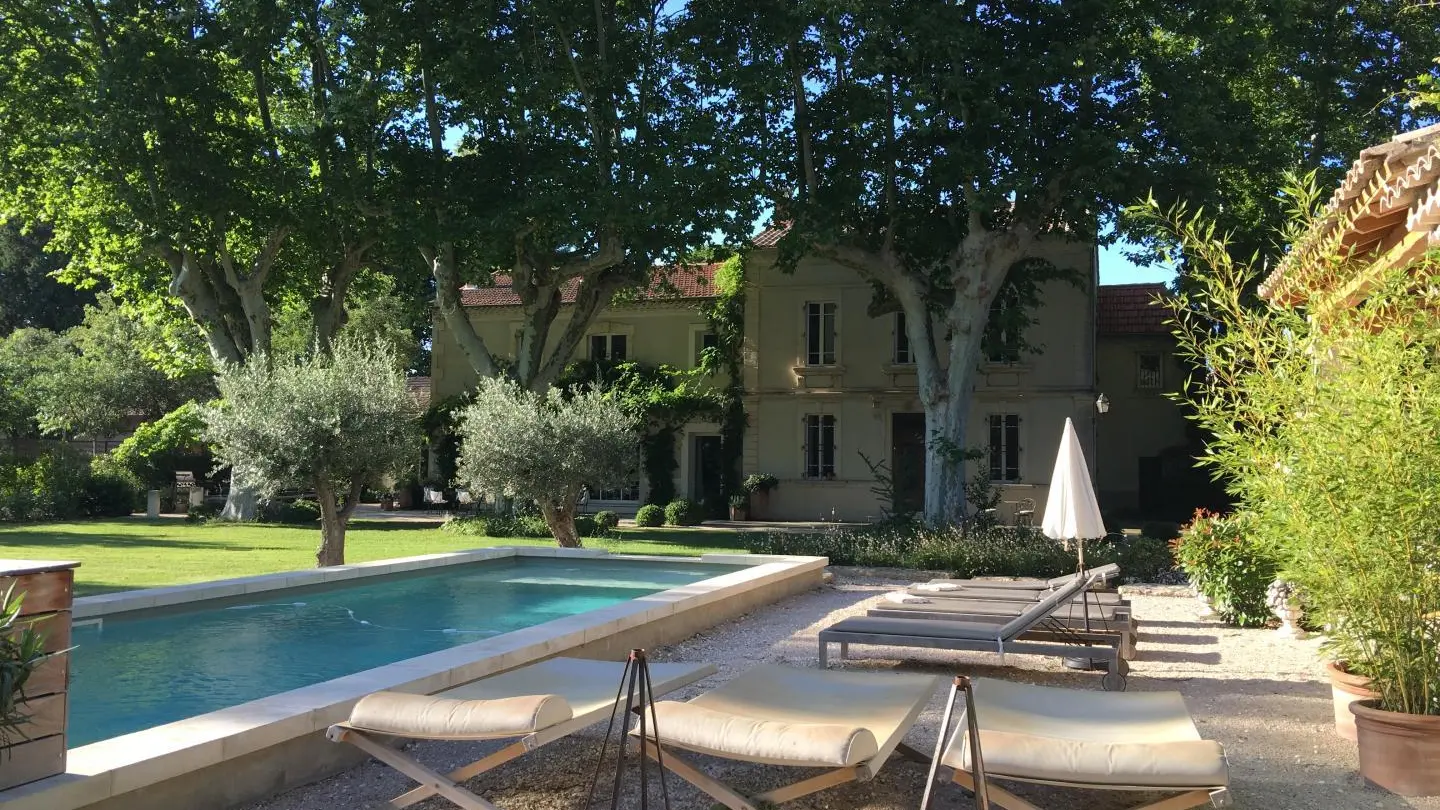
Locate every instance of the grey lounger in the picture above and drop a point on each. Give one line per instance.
(1074, 615)
(1034, 632)
(1138, 741)
(536, 704)
(1105, 573)
(846, 723)
(1006, 595)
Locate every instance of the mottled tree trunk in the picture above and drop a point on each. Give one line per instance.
(242, 502)
(334, 518)
(561, 520)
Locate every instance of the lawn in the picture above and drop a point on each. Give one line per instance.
(124, 554)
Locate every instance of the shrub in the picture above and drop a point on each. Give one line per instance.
(760, 482)
(650, 515)
(606, 521)
(683, 512)
(1225, 563)
(51, 487)
(201, 513)
(299, 512)
(998, 551)
(585, 526)
(110, 494)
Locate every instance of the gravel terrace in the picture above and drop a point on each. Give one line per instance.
(1262, 696)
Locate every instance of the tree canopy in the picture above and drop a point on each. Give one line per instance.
(30, 294)
(555, 145)
(935, 148)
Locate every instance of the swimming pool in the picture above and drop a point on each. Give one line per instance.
(132, 671)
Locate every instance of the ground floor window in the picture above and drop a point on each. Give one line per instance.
(819, 446)
(1004, 447)
(609, 347)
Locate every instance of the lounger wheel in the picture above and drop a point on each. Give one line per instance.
(1113, 682)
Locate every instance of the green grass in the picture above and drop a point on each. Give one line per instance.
(119, 555)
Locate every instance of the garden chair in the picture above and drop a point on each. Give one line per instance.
(535, 705)
(1138, 741)
(847, 723)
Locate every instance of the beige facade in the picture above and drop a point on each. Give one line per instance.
(1142, 440)
(818, 409)
(868, 392)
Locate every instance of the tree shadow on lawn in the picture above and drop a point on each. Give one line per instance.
(65, 540)
(379, 525)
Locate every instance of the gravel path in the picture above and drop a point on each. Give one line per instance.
(1263, 697)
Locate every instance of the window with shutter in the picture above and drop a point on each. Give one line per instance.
(902, 354)
(820, 446)
(820, 337)
(1004, 447)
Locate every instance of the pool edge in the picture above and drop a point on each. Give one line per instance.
(182, 760)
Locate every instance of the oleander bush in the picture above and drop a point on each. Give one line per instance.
(1223, 560)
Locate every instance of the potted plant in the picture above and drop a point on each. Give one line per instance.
(1323, 424)
(758, 485)
(740, 506)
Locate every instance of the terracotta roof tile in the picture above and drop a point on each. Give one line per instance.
(1129, 309)
(770, 237)
(691, 281)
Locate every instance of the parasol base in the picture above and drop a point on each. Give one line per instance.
(1085, 664)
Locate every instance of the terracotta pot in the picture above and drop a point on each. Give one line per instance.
(1346, 688)
(1398, 752)
(759, 504)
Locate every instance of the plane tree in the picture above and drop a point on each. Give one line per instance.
(218, 155)
(558, 147)
(935, 148)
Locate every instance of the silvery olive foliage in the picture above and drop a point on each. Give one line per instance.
(336, 423)
(546, 447)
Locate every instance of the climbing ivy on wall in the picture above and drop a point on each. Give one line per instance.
(726, 317)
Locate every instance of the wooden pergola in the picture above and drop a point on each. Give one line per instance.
(1384, 215)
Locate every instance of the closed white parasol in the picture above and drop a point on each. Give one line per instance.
(1071, 512)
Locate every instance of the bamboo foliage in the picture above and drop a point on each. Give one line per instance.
(1324, 429)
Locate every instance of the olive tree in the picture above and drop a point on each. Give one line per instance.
(546, 447)
(335, 423)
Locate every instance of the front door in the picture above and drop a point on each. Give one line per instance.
(907, 462)
(706, 476)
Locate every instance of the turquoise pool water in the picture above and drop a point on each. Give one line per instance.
(156, 667)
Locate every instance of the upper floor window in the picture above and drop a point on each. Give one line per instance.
(1004, 447)
(1149, 371)
(902, 341)
(819, 446)
(1002, 330)
(703, 341)
(820, 318)
(609, 347)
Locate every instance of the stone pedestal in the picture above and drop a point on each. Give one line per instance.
(152, 503)
(49, 590)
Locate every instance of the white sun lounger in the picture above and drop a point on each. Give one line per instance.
(848, 723)
(1137, 741)
(537, 704)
